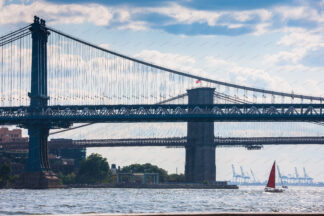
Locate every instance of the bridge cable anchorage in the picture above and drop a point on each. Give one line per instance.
(245, 88)
(88, 124)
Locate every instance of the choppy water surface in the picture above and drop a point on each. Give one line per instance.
(73, 201)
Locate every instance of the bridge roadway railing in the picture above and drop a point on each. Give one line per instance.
(165, 113)
(170, 142)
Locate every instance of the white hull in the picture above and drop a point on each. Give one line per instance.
(273, 190)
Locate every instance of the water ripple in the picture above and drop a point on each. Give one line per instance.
(88, 200)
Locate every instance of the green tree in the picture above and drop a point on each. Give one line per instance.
(95, 169)
(176, 178)
(67, 179)
(5, 174)
(146, 168)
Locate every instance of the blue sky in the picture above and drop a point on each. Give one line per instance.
(272, 44)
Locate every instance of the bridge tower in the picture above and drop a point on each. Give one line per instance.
(37, 171)
(200, 151)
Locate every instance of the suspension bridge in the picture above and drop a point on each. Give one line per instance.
(250, 143)
(52, 80)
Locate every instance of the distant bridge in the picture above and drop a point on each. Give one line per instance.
(250, 143)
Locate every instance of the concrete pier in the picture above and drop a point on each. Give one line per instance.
(200, 152)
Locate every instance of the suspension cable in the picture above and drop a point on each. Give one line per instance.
(246, 88)
(11, 34)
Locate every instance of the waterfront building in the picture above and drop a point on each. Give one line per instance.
(14, 135)
(138, 178)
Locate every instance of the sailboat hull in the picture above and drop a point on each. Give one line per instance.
(273, 190)
(271, 186)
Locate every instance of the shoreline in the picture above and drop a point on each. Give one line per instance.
(139, 186)
(150, 186)
(159, 186)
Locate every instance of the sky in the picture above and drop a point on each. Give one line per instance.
(271, 44)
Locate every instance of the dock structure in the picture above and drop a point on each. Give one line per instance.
(296, 179)
(243, 177)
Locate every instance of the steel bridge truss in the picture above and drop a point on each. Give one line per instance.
(164, 113)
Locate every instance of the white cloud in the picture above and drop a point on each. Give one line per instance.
(136, 26)
(106, 46)
(102, 15)
(171, 60)
(55, 13)
(248, 76)
(165, 58)
(233, 26)
(298, 13)
(261, 29)
(300, 37)
(288, 12)
(70, 14)
(123, 14)
(244, 16)
(286, 57)
(186, 15)
(300, 41)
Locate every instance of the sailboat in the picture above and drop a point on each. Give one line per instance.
(271, 186)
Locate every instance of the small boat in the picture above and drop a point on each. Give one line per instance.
(271, 186)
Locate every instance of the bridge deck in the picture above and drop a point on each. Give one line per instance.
(164, 113)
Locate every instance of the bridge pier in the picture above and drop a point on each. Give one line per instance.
(37, 149)
(200, 151)
(37, 171)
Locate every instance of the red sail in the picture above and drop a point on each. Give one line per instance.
(272, 177)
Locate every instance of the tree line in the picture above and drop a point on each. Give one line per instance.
(95, 169)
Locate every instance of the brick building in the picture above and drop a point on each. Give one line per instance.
(14, 150)
(14, 135)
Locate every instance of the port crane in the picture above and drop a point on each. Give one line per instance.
(252, 174)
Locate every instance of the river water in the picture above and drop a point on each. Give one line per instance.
(106, 200)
